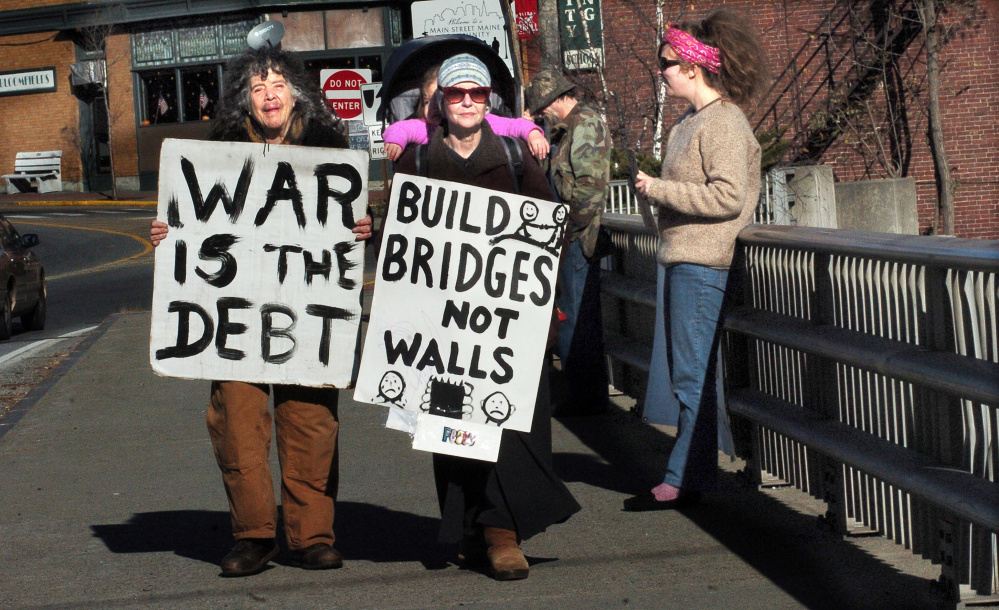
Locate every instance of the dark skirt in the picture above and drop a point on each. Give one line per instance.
(520, 492)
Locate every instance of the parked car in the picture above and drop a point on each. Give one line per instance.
(22, 281)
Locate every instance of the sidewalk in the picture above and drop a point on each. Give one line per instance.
(110, 497)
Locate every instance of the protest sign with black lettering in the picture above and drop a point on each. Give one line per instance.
(464, 291)
(259, 278)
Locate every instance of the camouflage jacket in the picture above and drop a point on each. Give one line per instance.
(579, 167)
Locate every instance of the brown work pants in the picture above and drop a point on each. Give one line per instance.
(239, 424)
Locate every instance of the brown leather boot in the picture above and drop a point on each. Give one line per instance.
(249, 556)
(505, 556)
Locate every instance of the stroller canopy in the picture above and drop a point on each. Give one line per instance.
(404, 72)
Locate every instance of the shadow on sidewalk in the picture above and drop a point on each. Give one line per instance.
(365, 532)
(202, 535)
(818, 569)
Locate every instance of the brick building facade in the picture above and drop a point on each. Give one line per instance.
(794, 31)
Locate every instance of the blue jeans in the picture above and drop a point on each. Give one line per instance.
(693, 298)
(581, 336)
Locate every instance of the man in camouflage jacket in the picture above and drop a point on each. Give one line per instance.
(579, 169)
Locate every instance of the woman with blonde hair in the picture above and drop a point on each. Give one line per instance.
(706, 194)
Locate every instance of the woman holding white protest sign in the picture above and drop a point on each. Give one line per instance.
(271, 99)
(490, 507)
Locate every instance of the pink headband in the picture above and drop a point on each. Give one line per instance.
(691, 50)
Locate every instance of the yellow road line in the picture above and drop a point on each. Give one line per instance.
(110, 202)
(147, 248)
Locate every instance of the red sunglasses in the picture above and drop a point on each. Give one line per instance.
(456, 95)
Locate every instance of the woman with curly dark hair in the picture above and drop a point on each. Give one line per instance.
(240, 119)
(271, 99)
(707, 193)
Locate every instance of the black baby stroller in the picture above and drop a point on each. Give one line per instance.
(404, 71)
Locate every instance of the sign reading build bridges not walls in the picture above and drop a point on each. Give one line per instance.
(259, 278)
(463, 301)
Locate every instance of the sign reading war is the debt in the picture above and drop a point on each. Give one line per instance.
(463, 299)
(259, 278)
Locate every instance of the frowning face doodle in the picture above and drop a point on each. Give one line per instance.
(391, 388)
(497, 408)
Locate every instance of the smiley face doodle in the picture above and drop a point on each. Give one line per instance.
(391, 388)
(497, 408)
(530, 231)
(558, 216)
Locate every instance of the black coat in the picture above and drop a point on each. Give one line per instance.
(521, 491)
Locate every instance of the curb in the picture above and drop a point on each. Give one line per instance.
(12, 417)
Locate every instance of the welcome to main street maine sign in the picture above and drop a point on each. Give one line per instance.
(19, 82)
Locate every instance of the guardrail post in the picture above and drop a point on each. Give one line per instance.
(740, 369)
(747, 432)
(821, 395)
(946, 440)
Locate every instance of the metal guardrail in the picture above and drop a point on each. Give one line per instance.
(620, 200)
(865, 371)
(771, 210)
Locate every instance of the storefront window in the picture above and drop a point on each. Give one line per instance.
(354, 28)
(200, 92)
(152, 47)
(201, 42)
(159, 94)
(233, 37)
(373, 63)
(192, 43)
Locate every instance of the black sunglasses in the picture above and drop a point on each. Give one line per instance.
(666, 64)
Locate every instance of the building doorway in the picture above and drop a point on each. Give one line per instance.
(95, 149)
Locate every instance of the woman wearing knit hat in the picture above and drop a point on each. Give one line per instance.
(707, 193)
(490, 507)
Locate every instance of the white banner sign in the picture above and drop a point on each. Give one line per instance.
(259, 278)
(460, 315)
(482, 18)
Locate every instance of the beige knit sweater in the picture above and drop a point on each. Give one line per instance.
(709, 188)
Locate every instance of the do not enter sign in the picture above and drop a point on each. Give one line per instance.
(342, 89)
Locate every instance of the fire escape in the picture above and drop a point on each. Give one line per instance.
(849, 56)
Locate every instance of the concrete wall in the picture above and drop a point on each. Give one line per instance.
(884, 206)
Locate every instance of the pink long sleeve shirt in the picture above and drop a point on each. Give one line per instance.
(418, 131)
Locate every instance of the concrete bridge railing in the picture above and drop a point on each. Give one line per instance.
(861, 368)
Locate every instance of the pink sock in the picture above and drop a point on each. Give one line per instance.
(664, 492)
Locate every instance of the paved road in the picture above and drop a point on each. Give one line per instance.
(97, 262)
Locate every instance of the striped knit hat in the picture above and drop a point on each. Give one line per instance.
(463, 68)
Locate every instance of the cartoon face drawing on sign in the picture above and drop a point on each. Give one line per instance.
(558, 216)
(530, 231)
(497, 408)
(528, 212)
(391, 388)
(447, 399)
